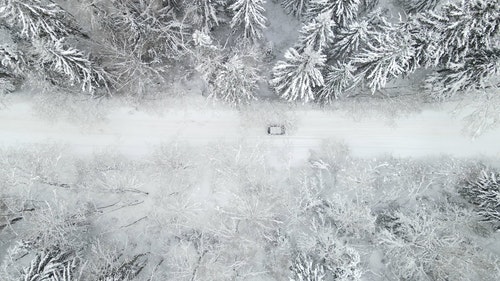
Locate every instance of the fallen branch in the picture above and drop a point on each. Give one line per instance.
(136, 221)
(10, 222)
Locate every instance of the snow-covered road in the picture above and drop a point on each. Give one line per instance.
(136, 133)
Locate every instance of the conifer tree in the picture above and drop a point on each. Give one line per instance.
(341, 11)
(37, 18)
(474, 72)
(295, 7)
(299, 75)
(339, 79)
(235, 81)
(388, 55)
(51, 265)
(355, 36)
(368, 5)
(249, 15)
(62, 63)
(462, 40)
(317, 34)
(457, 29)
(483, 190)
(204, 13)
(42, 27)
(417, 6)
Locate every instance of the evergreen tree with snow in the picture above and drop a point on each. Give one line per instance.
(483, 191)
(42, 27)
(232, 78)
(417, 6)
(51, 265)
(236, 80)
(249, 16)
(457, 29)
(462, 40)
(339, 79)
(355, 36)
(299, 75)
(204, 14)
(368, 5)
(479, 70)
(62, 63)
(388, 56)
(11, 65)
(317, 34)
(295, 7)
(341, 11)
(152, 33)
(37, 19)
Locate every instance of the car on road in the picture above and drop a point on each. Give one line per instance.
(276, 130)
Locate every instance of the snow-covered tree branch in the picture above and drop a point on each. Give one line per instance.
(37, 18)
(70, 64)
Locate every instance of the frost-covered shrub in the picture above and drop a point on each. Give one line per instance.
(6, 85)
(483, 191)
(233, 77)
(113, 265)
(344, 216)
(423, 243)
(11, 60)
(340, 261)
(304, 268)
(299, 75)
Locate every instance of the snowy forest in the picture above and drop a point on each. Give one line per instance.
(333, 217)
(241, 211)
(342, 47)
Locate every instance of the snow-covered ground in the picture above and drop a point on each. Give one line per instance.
(135, 133)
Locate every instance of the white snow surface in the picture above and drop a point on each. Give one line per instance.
(136, 133)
